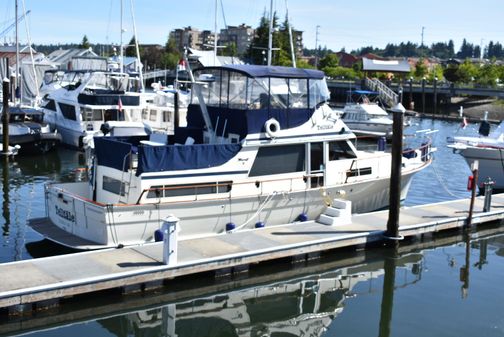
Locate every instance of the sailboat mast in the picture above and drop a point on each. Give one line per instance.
(121, 53)
(215, 35)
(270, 34)
(18, 78)
(293, 52)
(140, 70)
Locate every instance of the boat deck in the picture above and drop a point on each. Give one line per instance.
(34, 281)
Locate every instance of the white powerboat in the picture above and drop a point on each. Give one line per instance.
(488, 149)
(364, 116)
(261, 148)
(28, 130)
(87, 99)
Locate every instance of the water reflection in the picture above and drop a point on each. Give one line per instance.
(5, 194)
(277, 300)
(23, 180)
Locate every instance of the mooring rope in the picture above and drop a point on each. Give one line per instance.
(441, 182)
(259, 210)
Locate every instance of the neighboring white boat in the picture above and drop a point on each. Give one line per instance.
(488, 149)
(28, 130)
(261, 147)
(365, 116)
(87, 99)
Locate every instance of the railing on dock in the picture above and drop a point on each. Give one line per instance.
(385, 93)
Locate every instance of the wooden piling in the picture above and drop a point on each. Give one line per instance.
(5, 117)
(395, 176)
(473, 193)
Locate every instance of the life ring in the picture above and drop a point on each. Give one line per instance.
(272, 127)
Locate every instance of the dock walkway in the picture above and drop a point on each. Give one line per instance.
(36, 282)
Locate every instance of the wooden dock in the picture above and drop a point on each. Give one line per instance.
(38, 283)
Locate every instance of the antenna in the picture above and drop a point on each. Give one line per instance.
(316, 45)
(270, 34)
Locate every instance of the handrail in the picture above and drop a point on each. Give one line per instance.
(385, 92)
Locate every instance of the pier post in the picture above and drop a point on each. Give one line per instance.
(474, 169)
(395, 175)
(423, 95)
(411, 104)
(169, 229)
(435, 95)
(5, 117)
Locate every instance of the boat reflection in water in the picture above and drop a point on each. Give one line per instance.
(281, 299)
(301, 306)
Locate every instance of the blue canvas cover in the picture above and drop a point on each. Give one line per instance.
(184, 157)
(112, 153)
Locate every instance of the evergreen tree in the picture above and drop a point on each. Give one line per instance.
(451, 49)
(85, 43)
(131, 48)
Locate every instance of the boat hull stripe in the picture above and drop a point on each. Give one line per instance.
(188, 175)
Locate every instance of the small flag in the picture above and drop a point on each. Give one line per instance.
(119, 105)
(181, 66)
(464, 123)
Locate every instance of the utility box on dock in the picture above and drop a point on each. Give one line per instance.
(169, 229)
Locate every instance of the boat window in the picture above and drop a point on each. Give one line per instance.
(113, 115)
(359, 172)
(50, 105)
(167, 116)
(316, 157)
(257, 93)
(68, 111)
(237, 91)
(298, 93)
(113, 185)
(340, 150)
(145, 114)
(211, 89)
(189, 189)
(279, 92)
(92, 114)
(153, 115)
(319, 92)
(278, 159)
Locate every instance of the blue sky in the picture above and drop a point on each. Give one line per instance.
(349, 24)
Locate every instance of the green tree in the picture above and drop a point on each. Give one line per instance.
(131, 48)
(420, 68)
(467, 72)
(436, 72)
(488, 75)
(340, 72)
(330, 61)
(85, 43)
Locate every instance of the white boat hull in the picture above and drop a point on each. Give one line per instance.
(115, 225)
(491, 163)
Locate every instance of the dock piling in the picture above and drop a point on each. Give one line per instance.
(474, 169)
(5, 117)
(395, 176)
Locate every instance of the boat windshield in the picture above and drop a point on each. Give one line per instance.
(235, 90)
(107, 81)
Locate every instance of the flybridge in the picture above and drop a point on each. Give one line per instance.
(240, 99)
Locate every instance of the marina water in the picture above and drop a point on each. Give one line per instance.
(423, 290)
